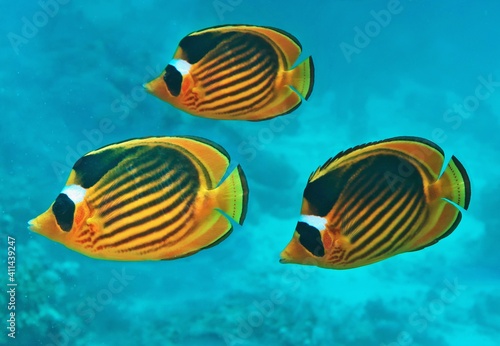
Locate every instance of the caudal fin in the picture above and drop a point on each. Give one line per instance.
(452, 186)
(302, 78)
(455, 184)
(232, 195)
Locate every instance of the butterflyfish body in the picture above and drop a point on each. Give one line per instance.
(378, 200)
(238, 72)
(147, 199)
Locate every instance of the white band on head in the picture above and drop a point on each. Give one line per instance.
(76, 193)
(317, 222)
(181, 65)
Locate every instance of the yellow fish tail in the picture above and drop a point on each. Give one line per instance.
(302, 78)
(232, 195)
(455, 184)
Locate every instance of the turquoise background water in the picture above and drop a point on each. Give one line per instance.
(71, 82)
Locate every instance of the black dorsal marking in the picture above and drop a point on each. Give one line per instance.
(92, 167)
(64, 211)
(396, 171)
(323, 193)
(195, 47)
(310, 238)
(173, 80)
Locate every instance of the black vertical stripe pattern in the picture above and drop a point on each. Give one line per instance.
(383, 211)
(379, 208)
(156, 209)
(163, 238)
(380, 227)
(224, 59)
(401, 234)
(168, 222)
(354, 207)
(220, 87)
(230, 88)
(143, 184)
(391, 212)
(132, 158)
(118, 181)
(260, 88)
(157, 169)
(376, 211)
(181, 183)
(144, 180)
(243, 69)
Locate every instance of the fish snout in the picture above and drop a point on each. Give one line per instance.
(285, 257)
(33, 225)
(149, 88)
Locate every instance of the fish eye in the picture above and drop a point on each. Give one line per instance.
(173, 80)
(64, 211)
(310, 238)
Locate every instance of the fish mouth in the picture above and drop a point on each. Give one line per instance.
(284, 258)
(148, 87)
(32, 226)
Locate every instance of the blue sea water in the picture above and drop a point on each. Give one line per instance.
(72, 80)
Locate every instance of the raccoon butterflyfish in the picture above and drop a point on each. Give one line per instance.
(147, 199)
(378, 200)
(240, 72)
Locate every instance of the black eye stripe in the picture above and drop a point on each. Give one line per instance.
(64, 211)
(173, 80)
(310, 238)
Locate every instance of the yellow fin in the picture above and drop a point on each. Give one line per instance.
(213, 230)
(301, 78)
(455, 183)
(289, 101)
(284, 41)
(211, 156)
(232, 195)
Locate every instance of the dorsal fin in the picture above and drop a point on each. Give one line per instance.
(320, 171)
(333, 160)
